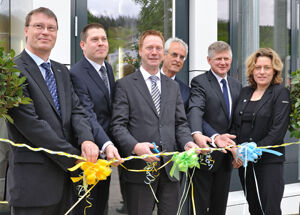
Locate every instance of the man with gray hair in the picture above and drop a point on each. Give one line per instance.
(176, 51)
(213, 97)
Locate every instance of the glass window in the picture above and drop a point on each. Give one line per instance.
(223, 20)
(124, 21)
(4, 23)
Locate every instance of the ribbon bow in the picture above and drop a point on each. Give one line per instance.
(249, 152)
(183, 161)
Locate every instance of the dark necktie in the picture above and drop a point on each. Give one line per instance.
(155, 93)
(225, 94)
(104, 76)
(51, 83)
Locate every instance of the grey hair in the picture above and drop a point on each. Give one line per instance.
(175, 40)
(218, 46)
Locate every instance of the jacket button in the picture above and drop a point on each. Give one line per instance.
(250, 139)
(241, 112)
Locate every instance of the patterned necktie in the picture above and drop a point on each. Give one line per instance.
(104, 76)
(51, 83)
(155, 92)
(225, 94)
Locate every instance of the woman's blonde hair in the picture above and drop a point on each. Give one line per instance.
(276, 64)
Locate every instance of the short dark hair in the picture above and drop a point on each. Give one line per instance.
(42, 10)
(148, 33)
(84, 34)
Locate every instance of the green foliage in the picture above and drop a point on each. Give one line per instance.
(223, 32)
(11, 84)
(295, 100)
(152, 16)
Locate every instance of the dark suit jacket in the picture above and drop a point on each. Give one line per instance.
(270, 121)
(36, 178)
(94, 97)
(135, 120)
(207, 103)
(185, 94)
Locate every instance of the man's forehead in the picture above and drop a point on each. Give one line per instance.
(35, 17)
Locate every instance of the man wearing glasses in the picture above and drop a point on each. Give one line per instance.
(38, 183)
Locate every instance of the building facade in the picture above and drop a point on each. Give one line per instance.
(245, 24)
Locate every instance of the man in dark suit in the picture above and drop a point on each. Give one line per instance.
(37, 182)
(213, 98)
(175, 53)
(148, 108)
(94, 84)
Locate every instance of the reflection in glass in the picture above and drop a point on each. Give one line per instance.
(124, 21)
(4, 23)
(264, 23)
(223, 20)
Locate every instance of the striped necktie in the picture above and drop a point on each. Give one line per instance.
(51, 83)
(104, 76)
(155, 92)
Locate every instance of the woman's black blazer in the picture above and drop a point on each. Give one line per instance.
(270, 119)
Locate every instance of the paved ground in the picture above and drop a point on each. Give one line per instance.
(115, 194)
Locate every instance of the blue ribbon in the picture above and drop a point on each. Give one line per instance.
(249, 152)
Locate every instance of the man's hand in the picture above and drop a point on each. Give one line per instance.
(224, 140)
(90, 151)
(112, 152)
(145, 148)
(201, 140)
(191, 145)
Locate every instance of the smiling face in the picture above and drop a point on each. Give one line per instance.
(96, 46)
(220, 63)
(152, 53)
(263, 72)
(41, 34)
(174, 59)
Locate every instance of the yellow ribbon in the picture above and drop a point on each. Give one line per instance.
(94, 172)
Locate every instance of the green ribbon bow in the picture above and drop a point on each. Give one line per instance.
(183, 161)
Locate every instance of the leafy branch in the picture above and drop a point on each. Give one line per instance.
(11, 84)
(295, 100)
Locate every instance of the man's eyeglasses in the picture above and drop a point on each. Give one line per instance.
(41, 27)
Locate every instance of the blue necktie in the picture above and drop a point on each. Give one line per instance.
(155, 92)
(225, 94)
(51, 83)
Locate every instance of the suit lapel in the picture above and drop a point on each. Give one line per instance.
(216, 87)
(164, 92)
(34, 71)
(97, 79)
(266, 96)
(60, 88)
(140, 84)
(111, 80)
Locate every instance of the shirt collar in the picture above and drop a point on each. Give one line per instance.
(96, 65)
(36, 58)
(146, 74)
(173, 77)
(219, 78)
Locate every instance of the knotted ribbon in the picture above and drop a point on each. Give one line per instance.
(249, 152)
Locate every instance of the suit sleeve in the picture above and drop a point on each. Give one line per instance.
(82, 92)
(196, 106)
(280, 119)
(207, 129)
(183, 132)
(120, 121)
(40, 134)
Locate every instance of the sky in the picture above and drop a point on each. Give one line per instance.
(114, 8)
